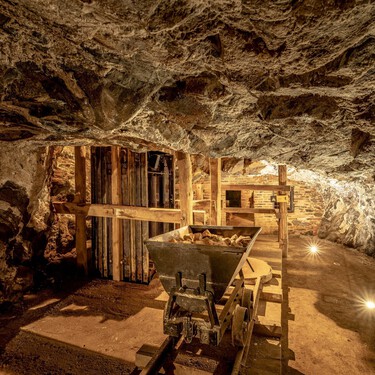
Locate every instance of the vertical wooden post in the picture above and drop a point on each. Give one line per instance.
(186, 187)
(145, 224)
(283, 221)
(116, 224)
(198, 191)
(80, 187)
(132, 201)
(215, 173)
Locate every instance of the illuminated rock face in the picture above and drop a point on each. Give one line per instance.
(289, 81)
(283, 81)
(349, 217)
(24, 217)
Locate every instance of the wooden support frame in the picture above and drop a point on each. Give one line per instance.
(186, 187)
(163, 215)
(215, 177)
(283, 188)
(283, 221)
(80, 220)
(239, 210)
(116, 223)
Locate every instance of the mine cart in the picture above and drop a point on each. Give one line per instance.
(201, 269)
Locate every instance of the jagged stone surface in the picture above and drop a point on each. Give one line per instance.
(349, 216)
(277, 80)
(285, 81)
(24, 217)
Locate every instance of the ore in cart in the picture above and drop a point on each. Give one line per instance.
(197, 275)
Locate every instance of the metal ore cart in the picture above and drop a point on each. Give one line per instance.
(196, 277)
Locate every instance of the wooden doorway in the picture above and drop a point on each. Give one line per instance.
(147, 180)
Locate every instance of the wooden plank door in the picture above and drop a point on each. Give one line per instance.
(141, 185)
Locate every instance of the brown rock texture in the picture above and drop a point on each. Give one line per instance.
(349, 210)
(279, 80)
(349, 217)
(24, 217)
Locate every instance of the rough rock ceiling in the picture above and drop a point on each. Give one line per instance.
(282, 80)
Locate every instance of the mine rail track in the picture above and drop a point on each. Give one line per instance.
(166, 353)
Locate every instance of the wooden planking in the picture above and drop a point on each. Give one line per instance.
(153, 201)
(165, 190)
(125, 223)
(215, 178)
(283, 222)
(138, 224)
(80, 188)
(145, 224)
(279, 187)
(116, 224)
(94, 198)
(131, 187)
(163, 215)
(98, 174)
(251, 210)
(186, 191)
(127, 213)
(156, 361)
(198, 188)
(106, 172)
(268, 320)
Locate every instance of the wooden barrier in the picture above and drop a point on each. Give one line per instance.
(80, 187)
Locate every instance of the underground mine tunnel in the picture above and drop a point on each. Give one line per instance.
(187, 187)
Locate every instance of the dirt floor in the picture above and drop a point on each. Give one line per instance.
(327, 329)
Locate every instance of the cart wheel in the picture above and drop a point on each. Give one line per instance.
(247, 298)
(239, 325)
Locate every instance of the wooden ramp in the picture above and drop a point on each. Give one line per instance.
(265, 351)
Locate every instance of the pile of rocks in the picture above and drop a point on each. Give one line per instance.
(208, 238)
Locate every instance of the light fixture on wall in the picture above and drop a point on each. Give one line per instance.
(370, 305)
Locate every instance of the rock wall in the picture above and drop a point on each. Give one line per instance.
(61, 243)
(349, 210)
(349, 216)
(24, 217)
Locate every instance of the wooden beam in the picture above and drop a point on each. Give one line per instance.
(215, 174)
(239, 210)
(283, 222)
(162, 215)
(144, 224)
(80, 188)
(186, 191)
(132, 198)
(198, 189)
(116, 224)
(256, 187)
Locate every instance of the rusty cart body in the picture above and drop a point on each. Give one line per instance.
(196, 277)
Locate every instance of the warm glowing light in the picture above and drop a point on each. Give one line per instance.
(314, 249)
(370, 305)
